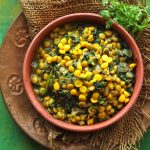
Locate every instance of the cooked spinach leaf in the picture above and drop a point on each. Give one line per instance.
(100, 84)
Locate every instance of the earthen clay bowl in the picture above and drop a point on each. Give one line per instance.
(91, 18)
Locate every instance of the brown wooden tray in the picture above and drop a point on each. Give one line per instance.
(12, 53)
(11, 60)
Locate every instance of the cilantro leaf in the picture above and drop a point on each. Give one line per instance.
(105, 14)
(134, 18)
(109, 23)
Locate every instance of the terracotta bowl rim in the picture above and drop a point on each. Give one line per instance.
(86, 128)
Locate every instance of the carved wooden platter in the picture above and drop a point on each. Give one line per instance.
(12, 52)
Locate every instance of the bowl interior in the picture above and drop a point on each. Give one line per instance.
(91, 18)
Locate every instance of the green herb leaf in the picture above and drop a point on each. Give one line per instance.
(129, 75)
(34, 65)
(127, 53)
(67, 36)
(105, 14)
(43, 91)
(133, 18)
(109, 23)
(50, 80)
(75, 39)
(122, 67)
(104, 2)
(130, 90)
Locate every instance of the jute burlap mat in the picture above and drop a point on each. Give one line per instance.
(126, 133)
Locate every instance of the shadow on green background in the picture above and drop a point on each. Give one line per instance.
(11, 136)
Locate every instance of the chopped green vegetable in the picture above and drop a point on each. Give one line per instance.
(34, 65)
(99, 85)
(43, 91)
(122, 67)
(129, 75)
(75, 39)
(49, 82)
(76, 111)
(102, 100)
(127, 53)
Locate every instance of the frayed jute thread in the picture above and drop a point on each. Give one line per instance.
(126, 133)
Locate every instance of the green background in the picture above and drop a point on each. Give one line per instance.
(11, 136)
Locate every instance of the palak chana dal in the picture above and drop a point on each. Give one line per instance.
(83, 74)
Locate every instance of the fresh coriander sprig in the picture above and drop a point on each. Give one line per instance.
(134, 18)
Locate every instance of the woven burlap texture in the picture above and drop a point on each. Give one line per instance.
(41, 12)
(123, 135)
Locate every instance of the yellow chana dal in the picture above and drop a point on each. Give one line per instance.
(83, 74)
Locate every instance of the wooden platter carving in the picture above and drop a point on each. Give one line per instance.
(12, 51)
